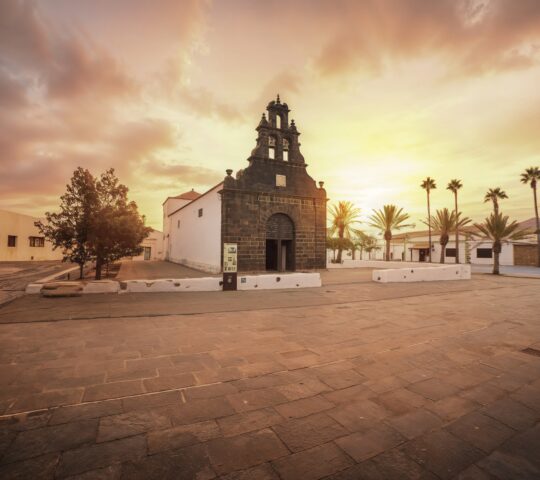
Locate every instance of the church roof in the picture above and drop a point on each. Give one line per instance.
(191, 195)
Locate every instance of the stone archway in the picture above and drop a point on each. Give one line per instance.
(280, 243)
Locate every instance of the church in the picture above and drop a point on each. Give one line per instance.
(272, 210)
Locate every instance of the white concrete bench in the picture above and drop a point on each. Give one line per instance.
(423, 274)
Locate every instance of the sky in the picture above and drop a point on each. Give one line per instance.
(169, 92)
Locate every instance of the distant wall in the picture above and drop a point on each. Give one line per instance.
(22, 227)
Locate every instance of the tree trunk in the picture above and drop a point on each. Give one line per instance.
(353, 253)
(457, 228)
(387, 251)
(495, 263)
(443, 252)
(537, 227)
(81, 270)
(429, 224)
(339, 255)
(99, 264)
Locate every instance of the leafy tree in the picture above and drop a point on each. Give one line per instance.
(444, 222)
(454, 186)
(532, 176)
(429, 184)
(70, 228)
(364, 242)
(494, 195)
(96, 221)
(497, 230)
(117, 228)
(388, 219)
(331, 244)
(344, 216)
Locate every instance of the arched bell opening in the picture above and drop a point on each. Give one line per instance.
(280, 244)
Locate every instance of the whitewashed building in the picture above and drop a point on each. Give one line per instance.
(414, 247)
(152, 247)
(192, 229)
(20, 239)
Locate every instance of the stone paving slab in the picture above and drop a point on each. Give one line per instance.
(351, 382)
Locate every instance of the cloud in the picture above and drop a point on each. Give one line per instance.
(184, 174)
(472, 36)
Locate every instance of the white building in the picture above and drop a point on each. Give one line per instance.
(192, 229)
(20, 239)
(414, 246)
(152, 247)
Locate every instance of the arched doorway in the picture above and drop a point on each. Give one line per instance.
(280, 243)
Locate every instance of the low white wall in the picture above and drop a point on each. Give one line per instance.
(378, 264)
(423, 274)
(277, 281)
(205, 284)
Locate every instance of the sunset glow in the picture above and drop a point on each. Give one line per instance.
(169, 93)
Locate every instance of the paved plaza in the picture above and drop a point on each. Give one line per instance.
(354, 380)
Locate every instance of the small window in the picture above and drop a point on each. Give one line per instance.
(278, 121)
(200, 212)
(484, 253)
(281, 181)
(451, 252)
(271, 147)
(285, 150)
(12, 241)
(178, 224)
(37, 241)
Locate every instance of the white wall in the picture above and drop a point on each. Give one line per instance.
(505, 258)
(155, 242)
(169, 206)
(197, 242)
(22, 226)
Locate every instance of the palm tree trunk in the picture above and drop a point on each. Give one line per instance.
(537, 227)
(387, 250)
(495, 262)
(443, 251)
(457, 228)
(429, 224)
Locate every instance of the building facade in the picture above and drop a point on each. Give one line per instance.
(20, 239)
(272, 209)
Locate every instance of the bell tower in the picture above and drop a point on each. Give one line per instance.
(277, 139)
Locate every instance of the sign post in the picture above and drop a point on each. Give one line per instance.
(230, 266)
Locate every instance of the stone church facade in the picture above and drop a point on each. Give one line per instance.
(272, 209)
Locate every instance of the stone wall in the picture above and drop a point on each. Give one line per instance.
(244, 217)
(525, 255)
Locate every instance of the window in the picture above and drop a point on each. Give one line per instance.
(278, 121)
(271, 147)
(37, 241)
(285, 150)
(451, 252)
(484, 253)
(200, 212)
(178, 224)
(281, 181)
(12, 241)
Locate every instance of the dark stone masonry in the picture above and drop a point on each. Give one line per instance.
(273, 209)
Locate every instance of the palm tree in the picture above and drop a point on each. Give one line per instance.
(388, 219)
(455, 185)
(532, 176)
(497, 230)
(429, 184)
(444, 222)
(494, 195)
(344, 216)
